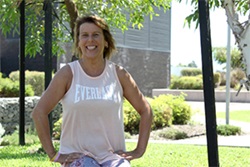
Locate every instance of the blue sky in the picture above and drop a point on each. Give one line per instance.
(185, 42)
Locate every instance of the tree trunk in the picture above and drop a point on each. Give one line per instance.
(73, 14)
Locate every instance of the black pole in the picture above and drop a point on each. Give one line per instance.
(208, 84)
(48, 48)
(22, 74)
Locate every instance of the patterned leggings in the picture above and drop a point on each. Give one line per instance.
(87, 161)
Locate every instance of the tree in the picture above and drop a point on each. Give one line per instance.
(242, 7)
(118, 14)
(220, 55)
(241, 31)
(192, 64)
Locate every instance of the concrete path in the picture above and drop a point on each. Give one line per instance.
(221, 107)
(227, 141)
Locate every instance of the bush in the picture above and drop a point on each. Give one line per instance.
(131, 118)
(57, 129)
(9, 88)
(227, 130)
(34, 78)
(217, 79)
(187, 82)
(181, 110)
(223, 79)
(173, 134)
(236, 76)
(3, 81)
(162, 113)
(127, 135)
(191, 72)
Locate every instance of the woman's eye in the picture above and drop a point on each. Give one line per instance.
(84, 35)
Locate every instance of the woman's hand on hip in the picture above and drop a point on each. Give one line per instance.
(68, 158)
(130, 155)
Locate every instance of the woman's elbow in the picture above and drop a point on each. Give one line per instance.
(34, 114)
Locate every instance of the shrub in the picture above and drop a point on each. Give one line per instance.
(2, 83)
(127, 135)
(57, 129)
(187, 82)
(34, 78)
(181, 110)
(227, 130)
(2, 75)
(131, 118)
(191, 72)
(162, 113)
(217, 79)
(234, 83)
(223, 79)
(236, 76)
(8, 88)
(173, 134)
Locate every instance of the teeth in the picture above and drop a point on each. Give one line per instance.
(91, 47)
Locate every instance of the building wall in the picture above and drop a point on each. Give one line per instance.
(154, 35)
(145, 52)
(150, 69)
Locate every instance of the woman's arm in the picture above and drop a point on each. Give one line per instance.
(50, 98)
(132, 93)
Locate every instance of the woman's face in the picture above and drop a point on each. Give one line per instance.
(91, 41)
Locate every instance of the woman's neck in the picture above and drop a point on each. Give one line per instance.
(92, 68)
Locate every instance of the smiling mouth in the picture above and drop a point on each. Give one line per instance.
(91, 47)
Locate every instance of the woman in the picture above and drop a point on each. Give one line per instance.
(91, 91)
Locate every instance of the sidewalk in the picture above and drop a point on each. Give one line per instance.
(228, 141)
(231, 141)
(221, 107)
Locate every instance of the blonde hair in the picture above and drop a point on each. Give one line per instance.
(108, 51)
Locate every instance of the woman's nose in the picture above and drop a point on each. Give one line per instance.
(90, 38)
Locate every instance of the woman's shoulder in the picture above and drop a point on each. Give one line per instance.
(122, 73)
(120, 70)
(64, 72)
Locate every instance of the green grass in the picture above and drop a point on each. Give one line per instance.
(243, 115)
(21, 156)
(157, 155)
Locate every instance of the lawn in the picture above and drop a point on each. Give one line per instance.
(157, 155)
(240, 115)
(243, 115)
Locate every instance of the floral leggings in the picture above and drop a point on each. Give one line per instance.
(87, 161)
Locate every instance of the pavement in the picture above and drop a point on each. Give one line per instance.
(242, 140)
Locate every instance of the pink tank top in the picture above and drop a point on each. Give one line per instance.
(93, 114)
